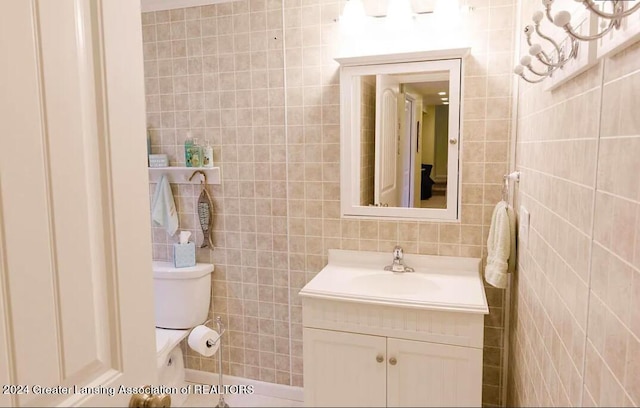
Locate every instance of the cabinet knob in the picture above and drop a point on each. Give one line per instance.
(379, 358)
(453, 141)
(393, 361)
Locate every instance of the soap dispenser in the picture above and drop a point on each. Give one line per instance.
(207, 155)
(196, 154)
(188, 145)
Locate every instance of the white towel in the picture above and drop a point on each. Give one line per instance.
(163, 208)
(501, 246)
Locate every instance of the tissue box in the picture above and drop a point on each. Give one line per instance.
(184, 255)
(158, 160)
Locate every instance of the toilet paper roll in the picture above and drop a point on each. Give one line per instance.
(200, 336)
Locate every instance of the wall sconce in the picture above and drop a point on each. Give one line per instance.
(552, 62)
(560, 55)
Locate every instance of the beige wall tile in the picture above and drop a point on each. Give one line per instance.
(569, 266)
(220, 71)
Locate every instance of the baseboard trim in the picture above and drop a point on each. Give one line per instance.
(260, 387)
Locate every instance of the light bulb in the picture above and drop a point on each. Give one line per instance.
(535, 49)
(525, 60)
(399, 15)
(562, 18)
(353, 16)
(537, 17)
(518, 70)
(447, 12)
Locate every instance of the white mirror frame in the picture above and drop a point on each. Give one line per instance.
(444, 60)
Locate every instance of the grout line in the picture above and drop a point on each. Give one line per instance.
(634, 136)
(619, 78)
(255, 208)
(591, 243)
(511, 166)
(619, 197)
(286, 178)
(572, 139)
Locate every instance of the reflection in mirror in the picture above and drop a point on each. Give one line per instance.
(399, 136)
(404, 139)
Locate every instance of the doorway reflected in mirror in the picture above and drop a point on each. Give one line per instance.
(404, 140)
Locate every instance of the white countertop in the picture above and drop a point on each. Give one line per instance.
(438, 283)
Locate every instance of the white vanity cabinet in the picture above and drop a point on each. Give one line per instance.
(344, 369)
(388, 345)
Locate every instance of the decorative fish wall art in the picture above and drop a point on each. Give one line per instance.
(205, 209)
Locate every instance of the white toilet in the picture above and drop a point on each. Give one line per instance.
(182, 298)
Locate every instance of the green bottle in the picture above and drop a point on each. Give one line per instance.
(196, 154)
(188, 150)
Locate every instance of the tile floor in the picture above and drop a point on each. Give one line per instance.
(254, 400)
(239, 400)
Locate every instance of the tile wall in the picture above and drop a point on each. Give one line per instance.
(576, 326)
(258, 78)
(218, 71)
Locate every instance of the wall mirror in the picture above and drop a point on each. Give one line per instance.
(400, 137)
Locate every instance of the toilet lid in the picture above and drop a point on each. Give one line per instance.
(162, 341)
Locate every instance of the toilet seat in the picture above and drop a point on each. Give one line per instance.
(167, 340)
(162, 341)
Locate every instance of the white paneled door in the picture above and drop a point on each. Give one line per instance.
(422, 374)
(344, 369)
(76, 306)
(386, 186)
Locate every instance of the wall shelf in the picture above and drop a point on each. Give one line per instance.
(180, 175)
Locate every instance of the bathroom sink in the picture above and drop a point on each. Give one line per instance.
(438, 283)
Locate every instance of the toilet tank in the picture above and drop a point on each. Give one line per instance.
(182, 295)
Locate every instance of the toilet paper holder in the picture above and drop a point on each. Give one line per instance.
(221, 330)
(211, 343)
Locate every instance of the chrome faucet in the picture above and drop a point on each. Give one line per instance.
(398, 264)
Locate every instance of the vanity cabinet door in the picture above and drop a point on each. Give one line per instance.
(344, 369)
(421, 374)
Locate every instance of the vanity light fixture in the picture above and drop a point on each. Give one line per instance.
(448, 11)
(399, 15)
(401, 11)
(559, 56)
(353, 16)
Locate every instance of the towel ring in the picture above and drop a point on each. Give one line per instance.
(505, 189)
(204, 176)
(515, 176)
